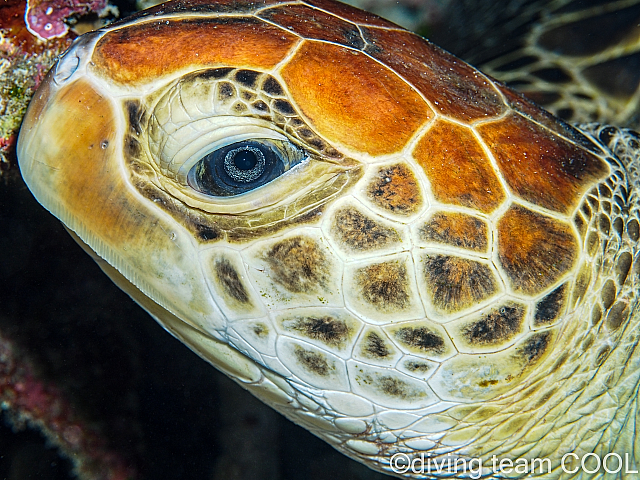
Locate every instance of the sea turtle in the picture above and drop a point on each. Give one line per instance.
(389, 247)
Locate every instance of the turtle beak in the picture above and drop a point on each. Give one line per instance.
(38, 139)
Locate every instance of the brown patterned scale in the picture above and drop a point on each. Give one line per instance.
(389, 247)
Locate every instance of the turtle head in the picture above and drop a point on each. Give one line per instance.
(376, 239)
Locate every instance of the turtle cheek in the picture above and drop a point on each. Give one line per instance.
(66, 151)
(70, 155)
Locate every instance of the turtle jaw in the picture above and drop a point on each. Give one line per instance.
(70, 155)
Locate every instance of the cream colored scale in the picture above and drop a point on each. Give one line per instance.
(388, 247)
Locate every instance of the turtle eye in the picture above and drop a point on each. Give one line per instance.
(243, 166)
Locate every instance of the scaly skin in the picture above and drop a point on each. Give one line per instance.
(442, 269)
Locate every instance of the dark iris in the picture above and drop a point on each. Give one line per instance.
(244, 163)
(237, 168)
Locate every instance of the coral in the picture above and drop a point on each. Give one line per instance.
(28, 50)
(47, 19)
(31, 401)
(24, 60)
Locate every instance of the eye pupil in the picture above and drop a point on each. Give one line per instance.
(244, 164)
(245, 159)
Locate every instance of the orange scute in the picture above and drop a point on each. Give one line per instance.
(352, 99)
(540, 166)
(149, 50)
(455, 88)
(458, 168)
(314, 24)
(534, 250)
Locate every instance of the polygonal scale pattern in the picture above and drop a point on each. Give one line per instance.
(430, 261)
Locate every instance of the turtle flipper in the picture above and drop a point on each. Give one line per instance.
(579, 60)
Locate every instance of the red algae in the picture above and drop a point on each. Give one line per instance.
(46, 19)
(32, 34)
(28, 399)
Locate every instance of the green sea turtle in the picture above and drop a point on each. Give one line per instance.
(389, 247)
